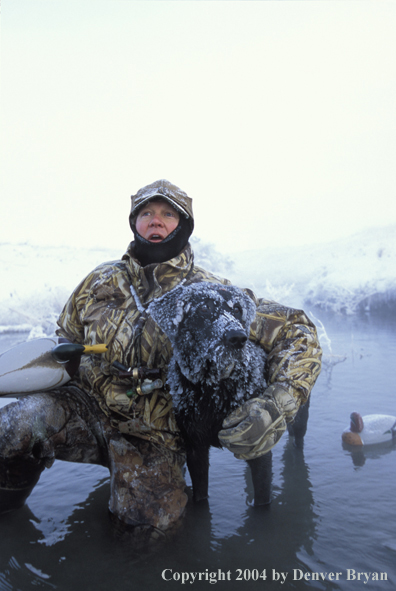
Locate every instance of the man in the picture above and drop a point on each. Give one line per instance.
(108, 414)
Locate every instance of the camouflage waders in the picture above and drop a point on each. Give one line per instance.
(146, 479)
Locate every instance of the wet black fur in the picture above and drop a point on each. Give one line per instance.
(208, 326)
(201, 407)
(200, 431)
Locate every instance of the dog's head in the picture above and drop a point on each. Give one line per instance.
(208, 325)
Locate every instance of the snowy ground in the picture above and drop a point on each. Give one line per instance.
(347, 276)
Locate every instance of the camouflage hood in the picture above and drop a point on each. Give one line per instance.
(165, 190)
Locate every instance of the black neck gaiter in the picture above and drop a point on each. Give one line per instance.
(148, 253)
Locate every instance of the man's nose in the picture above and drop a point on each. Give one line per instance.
(156, 221)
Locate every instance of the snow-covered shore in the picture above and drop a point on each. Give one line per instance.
(355, 274)
(347, 276)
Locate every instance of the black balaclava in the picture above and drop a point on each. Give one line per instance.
(148, 253)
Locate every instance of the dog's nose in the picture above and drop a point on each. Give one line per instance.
(235, 338)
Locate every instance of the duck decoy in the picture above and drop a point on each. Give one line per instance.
(370, 429)
(41, 364)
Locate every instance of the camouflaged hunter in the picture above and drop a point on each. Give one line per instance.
(105, 418)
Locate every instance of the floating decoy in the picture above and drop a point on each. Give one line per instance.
(370, 429)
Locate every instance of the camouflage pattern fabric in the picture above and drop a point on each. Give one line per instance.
(253, 429)
(109, 306)
(294, 353)
(163, 189)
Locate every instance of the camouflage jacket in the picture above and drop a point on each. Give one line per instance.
(109, 307)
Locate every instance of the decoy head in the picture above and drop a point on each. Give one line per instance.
(356, 422)
(351, 436)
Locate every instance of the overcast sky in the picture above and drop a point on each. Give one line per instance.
(278, 118)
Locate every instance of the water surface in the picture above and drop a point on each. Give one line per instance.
(332, 511)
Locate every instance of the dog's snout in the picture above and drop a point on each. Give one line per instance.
(235, 338)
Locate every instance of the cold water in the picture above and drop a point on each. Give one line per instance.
(332, 515)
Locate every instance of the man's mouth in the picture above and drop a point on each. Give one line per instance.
(155, 238)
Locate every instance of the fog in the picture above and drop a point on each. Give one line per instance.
(277, 118)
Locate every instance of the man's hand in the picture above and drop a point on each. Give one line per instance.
(255, 427)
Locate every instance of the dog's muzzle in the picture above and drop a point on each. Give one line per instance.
(235, 338)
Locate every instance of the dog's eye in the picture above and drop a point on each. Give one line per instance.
(237, 311)
(206, 309)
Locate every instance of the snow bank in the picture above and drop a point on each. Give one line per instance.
(38, 280)
(355, 274)
(348, 276)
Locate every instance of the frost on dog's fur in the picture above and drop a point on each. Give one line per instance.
(213, 370)
(203, 362)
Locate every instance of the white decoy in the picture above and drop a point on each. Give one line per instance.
(370, 429)
(41, 364)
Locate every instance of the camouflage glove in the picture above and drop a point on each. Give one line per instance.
(286, 401)
(255, 427)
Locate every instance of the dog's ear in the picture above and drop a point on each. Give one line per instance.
(168, 312)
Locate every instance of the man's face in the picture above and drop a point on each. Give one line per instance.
(156, 220)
